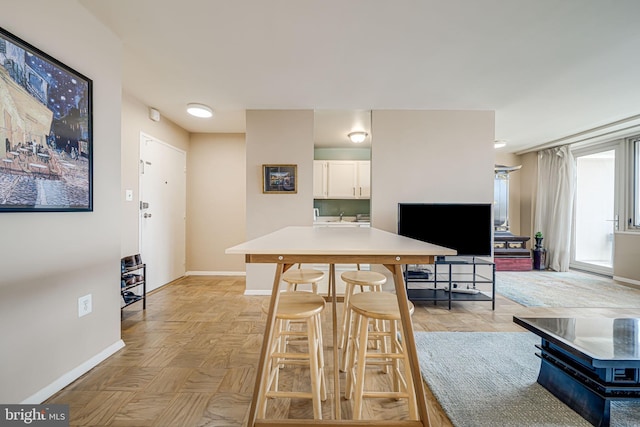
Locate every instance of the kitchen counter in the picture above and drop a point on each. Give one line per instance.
(334, 221)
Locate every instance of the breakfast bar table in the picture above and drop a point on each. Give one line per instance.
(328, 245)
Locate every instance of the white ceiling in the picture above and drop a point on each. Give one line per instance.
(549, 68)
(331, 127)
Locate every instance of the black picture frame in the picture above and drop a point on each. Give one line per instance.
(279, 179)
(46, 132)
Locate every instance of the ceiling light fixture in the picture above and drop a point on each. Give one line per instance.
(499, 143)
(357, 137)
(199, 110)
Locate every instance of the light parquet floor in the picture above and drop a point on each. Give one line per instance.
(190, 358)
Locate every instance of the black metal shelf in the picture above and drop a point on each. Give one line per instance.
(130, 298)
(443, 295)
(129, 280)
(439, 283)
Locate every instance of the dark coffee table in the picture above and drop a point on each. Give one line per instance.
(588, 362)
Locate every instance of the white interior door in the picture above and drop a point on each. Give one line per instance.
(162, 211)
(596, 208)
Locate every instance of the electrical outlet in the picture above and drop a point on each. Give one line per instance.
(84, 305)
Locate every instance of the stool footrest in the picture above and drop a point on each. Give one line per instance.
(287, 356)
(286, 394)
(385, 356)
(302, 334)
(385, 394)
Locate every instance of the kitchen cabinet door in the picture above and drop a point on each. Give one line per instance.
(341, 179)
(319, 179)
(364, 180)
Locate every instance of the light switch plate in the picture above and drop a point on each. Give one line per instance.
(128, 195)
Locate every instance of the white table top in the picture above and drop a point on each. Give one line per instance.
(337, 241)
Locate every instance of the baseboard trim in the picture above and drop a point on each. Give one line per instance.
(625, 280)
(215, 273)
(72, 375)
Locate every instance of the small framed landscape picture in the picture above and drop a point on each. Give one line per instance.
(279, 179)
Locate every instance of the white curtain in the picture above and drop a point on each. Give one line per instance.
(554, 204)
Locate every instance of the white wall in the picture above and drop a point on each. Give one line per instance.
(528, 191)
(626, 267)
(277, 137)
(50, 259)
(429, 156)
(216, 202)
(509, 159)
(135, 119)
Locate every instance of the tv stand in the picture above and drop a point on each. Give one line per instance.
(450, 279)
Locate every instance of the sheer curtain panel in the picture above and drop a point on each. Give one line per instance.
(554, 204)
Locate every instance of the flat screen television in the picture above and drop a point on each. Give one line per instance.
(465, 227)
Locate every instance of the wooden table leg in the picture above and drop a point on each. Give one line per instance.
(336, 361)
(266, 345)
(410, 342)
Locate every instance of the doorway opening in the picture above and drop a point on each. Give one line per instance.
(162, 211)
(596, 209)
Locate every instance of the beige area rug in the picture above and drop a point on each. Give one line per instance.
(565, 289)
(489, 379)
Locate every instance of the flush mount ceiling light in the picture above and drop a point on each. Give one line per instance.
(199, 110)
(499, 143)
(357, 137)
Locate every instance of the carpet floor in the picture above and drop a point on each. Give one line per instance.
(565, 289)
(488, 379)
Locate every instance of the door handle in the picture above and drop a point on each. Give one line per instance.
(146, 215)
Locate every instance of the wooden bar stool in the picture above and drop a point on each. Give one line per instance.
(371, 306)
(302, 276)
(295, 306)
(368, 279)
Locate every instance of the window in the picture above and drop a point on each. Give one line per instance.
(634, 219)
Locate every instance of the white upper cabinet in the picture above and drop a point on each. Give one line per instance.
(341, 179)
(319, 179)
(364, 179)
